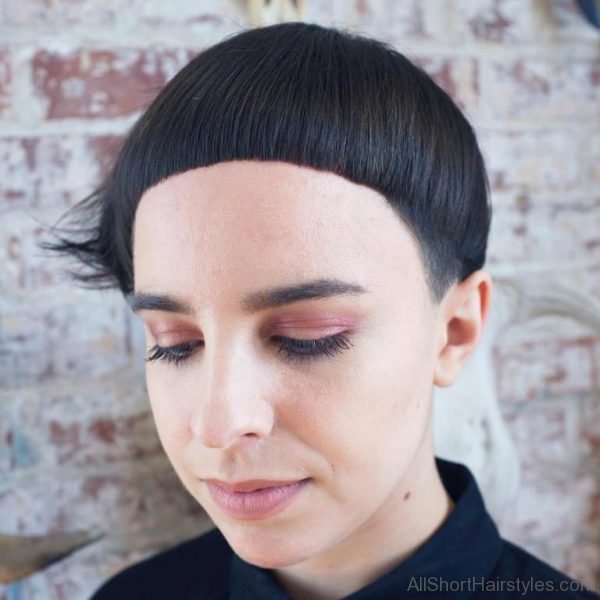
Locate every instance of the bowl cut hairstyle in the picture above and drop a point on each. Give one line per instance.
(310, 95)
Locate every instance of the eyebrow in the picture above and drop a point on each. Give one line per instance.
(254, 301)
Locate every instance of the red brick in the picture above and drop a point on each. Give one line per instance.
(81, 335)
(80, 427)
(103, 14)
(590, 431)
(6, 438)
(496, 20)
(90, 83)
(551, 511)
(53, 171)
(507, 22)
(25, 267)
(569, 24)
(207, 17)
(532, 227)
(592, 155)
(543, 88)
(581, 561)
(5, 82)
(124, 497)
(79, 575)
(457, 76)
(532, 370)
(545, 432)
(539, 159)
(53, 13)
(402, 20)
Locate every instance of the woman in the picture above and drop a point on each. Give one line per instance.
(300, 221)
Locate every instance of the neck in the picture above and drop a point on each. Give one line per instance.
(390, 536)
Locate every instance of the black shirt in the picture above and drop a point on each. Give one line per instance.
(464, 558)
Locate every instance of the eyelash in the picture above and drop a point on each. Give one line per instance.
(297, 350)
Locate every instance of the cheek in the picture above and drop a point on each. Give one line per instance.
(170, 408)
(386, 383)
(374, 411)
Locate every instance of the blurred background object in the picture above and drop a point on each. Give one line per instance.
(265, 12)
(591, 10)
(78, 450)
(20, 556)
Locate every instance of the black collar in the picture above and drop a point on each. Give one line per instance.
(467, 545)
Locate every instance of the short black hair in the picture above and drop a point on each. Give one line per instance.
(310, 95)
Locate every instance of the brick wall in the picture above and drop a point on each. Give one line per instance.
(77, 443)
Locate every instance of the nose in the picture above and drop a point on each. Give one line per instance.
(233, 401)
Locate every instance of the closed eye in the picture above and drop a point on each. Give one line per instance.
(297, 350)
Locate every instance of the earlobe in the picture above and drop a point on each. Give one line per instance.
(462, 317)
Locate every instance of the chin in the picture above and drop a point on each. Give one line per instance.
(268, 559)
(273, 551)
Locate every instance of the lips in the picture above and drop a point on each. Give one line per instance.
(250, 485)
(261, 503)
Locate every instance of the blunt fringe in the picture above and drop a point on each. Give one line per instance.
(310, 95)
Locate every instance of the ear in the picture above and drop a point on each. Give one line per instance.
(461, 318)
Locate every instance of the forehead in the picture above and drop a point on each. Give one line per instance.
(255, 222)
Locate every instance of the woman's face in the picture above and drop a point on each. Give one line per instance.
(217, 239)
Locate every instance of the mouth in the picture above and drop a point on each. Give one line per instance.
(251, 485)
(259, 502)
